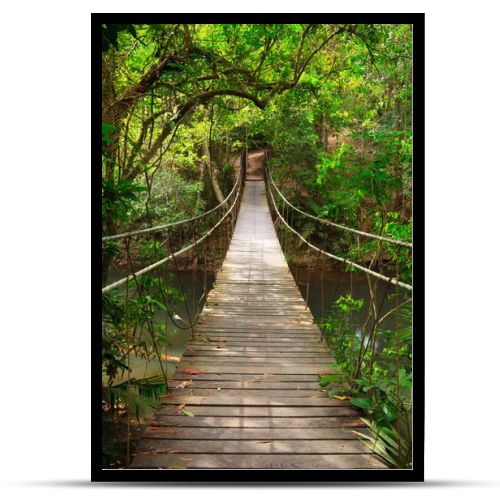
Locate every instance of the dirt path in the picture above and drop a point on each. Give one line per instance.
(255, 161)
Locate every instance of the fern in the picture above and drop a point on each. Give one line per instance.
(384, 441)
(142, 398)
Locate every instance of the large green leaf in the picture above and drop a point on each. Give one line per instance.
(364, 403)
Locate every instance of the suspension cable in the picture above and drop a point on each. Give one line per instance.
(346, 228)
(172, 224)
(179, 252)
(341, 259)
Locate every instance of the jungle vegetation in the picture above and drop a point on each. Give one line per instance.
(332, 104)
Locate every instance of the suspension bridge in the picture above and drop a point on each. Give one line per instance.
(245, 394)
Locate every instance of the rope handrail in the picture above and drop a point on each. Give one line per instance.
(393, 281)
(175, 254)
(172, 224)
(346, 228)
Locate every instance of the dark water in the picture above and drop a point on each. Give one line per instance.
(326, 287)
(178, 334)
(323, 289)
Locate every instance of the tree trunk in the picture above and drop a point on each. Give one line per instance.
(207, 151)
(323, 133)
(213, 173)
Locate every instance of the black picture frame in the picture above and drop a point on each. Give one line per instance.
(283, 476)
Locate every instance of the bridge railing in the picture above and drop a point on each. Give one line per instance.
(369, 328)
(155, 280)
(281, 208)
(227, 209)
(142, 311)
(318, 257)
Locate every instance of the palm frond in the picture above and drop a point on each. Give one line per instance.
(385, 442)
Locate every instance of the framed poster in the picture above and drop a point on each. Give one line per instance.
(261, 217)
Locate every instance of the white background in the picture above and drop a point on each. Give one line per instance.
(45, 247)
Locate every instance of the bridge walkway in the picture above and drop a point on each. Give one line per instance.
(245, 394)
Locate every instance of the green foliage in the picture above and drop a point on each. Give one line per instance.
(340, 336)
(142, 399)
(108, 129)
(117, 198)
(373, 381)
(332, 103)
(385, 441)
(335, 163)
(139, 397)
(110, 32)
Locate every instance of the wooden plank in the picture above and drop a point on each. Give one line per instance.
(269, 335)
(252, 401)
(241, 461)
(274, 446)
(245, 384)
(260, 333)
(204, 347)
(265, 316)
(229, 321)
(253, 342)
(258, 422)
(259, 336)
(268, 309)
(286, 377)
(229, 327)
(269, 306)
(222, 299)
(286, 369)
(251, 360)
(217, 354)
(247, 392)
(248, 323)
(176, 433)
(261, 411)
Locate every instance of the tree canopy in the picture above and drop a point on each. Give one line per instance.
(293, 85)
(331, 105)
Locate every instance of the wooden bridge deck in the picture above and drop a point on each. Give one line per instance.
(250, 375)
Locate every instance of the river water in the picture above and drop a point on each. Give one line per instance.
(178, 334)
(323, 288)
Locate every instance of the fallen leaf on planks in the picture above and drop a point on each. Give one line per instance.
(356, 423)
(189, 371)
(184, 384)
(180, 407)
(342, 398)
(160, 430)
(187, 412)
(170, 431)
